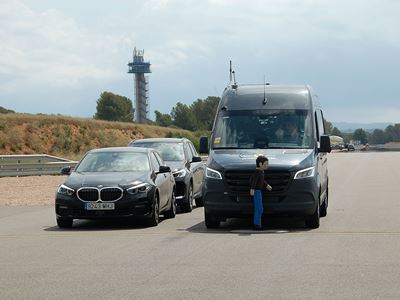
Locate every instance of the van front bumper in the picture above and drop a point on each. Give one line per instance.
(300, 198)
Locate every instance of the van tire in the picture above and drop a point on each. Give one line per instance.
(210, 221)
(313, 220)
(199, 202)
(324, 206)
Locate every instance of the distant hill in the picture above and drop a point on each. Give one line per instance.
(72, 137)
(350, 127)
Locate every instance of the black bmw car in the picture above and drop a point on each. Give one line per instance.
(117, 182)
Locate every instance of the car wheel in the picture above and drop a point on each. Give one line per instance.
(187, 206)
(169, 214)
(199, 202)
(155, 214)
(210, 221)
(313, 220)
(64, 222)
(324, 206)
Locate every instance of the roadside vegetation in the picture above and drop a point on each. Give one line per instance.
(71, 137)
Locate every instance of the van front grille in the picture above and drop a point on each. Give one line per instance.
(239, 181)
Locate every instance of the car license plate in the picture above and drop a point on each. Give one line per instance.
(99, 206)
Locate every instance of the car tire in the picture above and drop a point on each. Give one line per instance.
(199, 202)
(187, 206)
(171, 213)
(155, 213)
(211, 221)
(313, 220)
(64, 222)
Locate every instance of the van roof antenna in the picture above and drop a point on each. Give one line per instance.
(232, 76)
(265, 98)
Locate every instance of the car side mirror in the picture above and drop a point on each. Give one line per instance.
(203, 145)
(66, 170)
(196, 159)
(325, 144)
(164, 169)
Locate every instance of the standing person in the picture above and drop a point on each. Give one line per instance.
(257, 184)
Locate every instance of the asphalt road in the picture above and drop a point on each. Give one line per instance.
(355, 254)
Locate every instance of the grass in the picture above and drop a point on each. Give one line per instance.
(72, 137)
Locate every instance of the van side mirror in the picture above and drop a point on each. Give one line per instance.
(203, 145)
(325, 144)
(66, 170)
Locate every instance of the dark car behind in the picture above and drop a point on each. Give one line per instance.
(186, 165)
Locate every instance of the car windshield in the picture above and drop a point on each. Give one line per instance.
(263, 129)
(168, 151)
(114, 162)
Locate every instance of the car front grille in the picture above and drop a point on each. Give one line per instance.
(110, 194)
(88, 194)
(239, 181)
(103, 194)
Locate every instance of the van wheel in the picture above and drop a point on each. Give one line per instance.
(187, 206)
(210, 221)
(313, 220)
(199, 202)
(324, 206)
(64, 222)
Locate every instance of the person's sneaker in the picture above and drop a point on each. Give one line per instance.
(257, 227)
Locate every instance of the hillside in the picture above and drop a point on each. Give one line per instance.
(71, 137)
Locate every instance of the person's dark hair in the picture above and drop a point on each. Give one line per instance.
(260, 159)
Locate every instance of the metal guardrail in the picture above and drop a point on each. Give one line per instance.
(36, 164)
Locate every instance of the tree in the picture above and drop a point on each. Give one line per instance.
(163, 119)
(328, 127)
(393, 133)
(183, 116)
(113, 107)
(6, 111)
(378, 137)
(360, 135)
(204, 112)
(336, 131)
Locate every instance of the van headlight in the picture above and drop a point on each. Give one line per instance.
(139, 188)
(65, 190)
(214, 174)
(305, 173)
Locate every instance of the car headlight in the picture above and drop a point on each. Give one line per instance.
(305, 173)
(139, 188)
(210, 173)
(179, 173)
(63, 189)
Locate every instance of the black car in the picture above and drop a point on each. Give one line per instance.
(117, 182)
(186, 165)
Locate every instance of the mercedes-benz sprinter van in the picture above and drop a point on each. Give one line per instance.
(284, 123)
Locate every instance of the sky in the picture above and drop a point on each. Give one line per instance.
(57, 57)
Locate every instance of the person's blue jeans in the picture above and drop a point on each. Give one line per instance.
(258, 207)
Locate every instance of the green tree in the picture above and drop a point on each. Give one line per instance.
(336, 131)
(328, 127)
(183, 116)
(113, 107)
(6, 111)
(163, 119)
(360, 135)
(204, 111)
(392, 133)
(377, 137)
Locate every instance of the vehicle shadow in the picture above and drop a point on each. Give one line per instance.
(271, 225)
(104, 225)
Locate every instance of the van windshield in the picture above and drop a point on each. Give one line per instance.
(249, 129)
